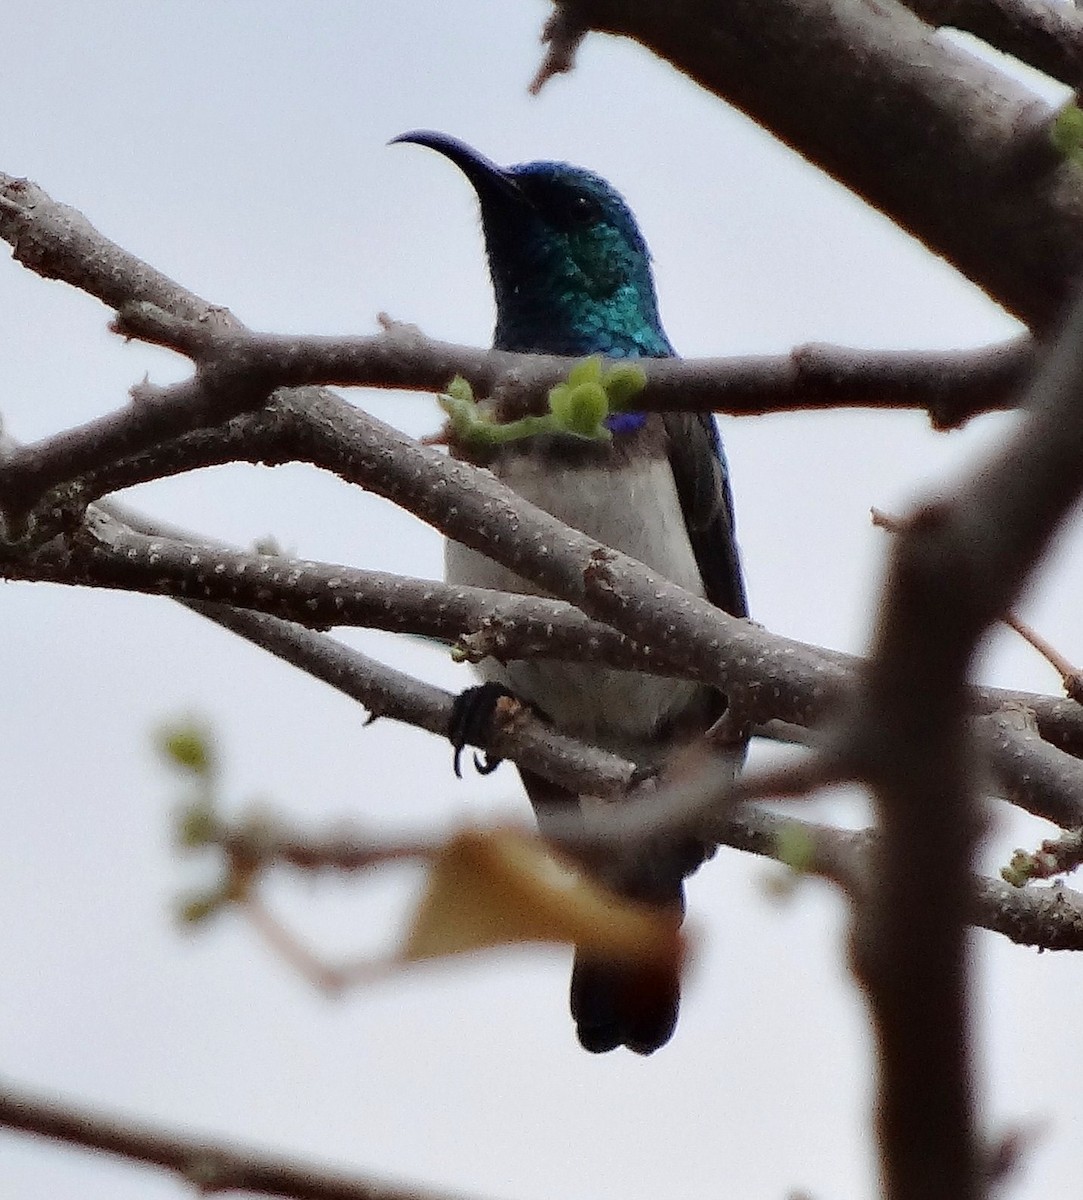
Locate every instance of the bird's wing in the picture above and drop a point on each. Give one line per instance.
(703, 488)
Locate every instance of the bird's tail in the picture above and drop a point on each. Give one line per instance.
(620, 1003)
(635, 1005)
(623, 1004)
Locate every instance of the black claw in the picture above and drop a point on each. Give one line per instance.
(470, 724)
(486, 765)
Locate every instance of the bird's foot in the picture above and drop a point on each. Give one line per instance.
(471, 723)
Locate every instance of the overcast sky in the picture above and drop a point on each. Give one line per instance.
(241, 148)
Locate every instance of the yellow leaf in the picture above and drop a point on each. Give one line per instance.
(502, 887)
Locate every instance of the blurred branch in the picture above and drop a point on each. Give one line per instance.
(1047, 36)
(955, 568)
(561, 36)
(207, 1166)
(917, 126)
(1069, 675)
(1046, 918)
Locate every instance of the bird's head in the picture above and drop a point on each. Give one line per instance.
(570, 269)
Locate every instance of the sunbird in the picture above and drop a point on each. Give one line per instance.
(572, 276)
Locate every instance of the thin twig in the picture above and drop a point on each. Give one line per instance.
(1069, 674)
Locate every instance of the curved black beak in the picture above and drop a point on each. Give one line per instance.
(487, 178)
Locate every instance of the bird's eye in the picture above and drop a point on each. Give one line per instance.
(583, 209)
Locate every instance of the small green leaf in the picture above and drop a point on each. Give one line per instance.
(1020, 869)
(462, 414)
(578, 407)
(460, 389)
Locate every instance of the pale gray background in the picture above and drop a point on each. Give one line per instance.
(240, 147)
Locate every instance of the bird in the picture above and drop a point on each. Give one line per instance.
(571, 275)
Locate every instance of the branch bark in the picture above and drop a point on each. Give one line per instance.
(214, 580)
(1048, 36)
(916, 126)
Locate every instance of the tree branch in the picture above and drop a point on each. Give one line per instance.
(386, 692)
(105, 553)
(1049, 918)
(954, 570)
(207, 1166)
(155, 415)
(1048, 36)
(951, 385)
(237, 369)
(1035, 776)
(918, 127)
(153, 559)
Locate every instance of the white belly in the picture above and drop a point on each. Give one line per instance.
(635, 510)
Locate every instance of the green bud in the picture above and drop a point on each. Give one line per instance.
(795, 847)
(464, 419)
(622, 382)
(558, 397)
(460, 389)
(188, 747)
(581, 409)
(1066, 132)
(196, 825)
(1020, 870)
(587, 371)
(199, 907)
